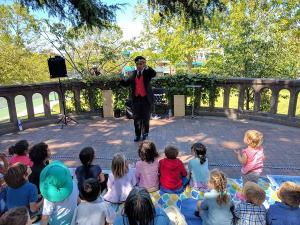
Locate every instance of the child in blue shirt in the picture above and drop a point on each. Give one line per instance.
(198, 167)
(19, 191)
(216, 208)
(286, 212)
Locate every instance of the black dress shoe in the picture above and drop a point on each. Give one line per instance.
(145, 136)
(137, 139)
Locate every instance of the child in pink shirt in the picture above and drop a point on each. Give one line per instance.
(147, 168)
(20, 151)
(252, 158)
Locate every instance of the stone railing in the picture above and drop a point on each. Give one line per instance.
(242, 88)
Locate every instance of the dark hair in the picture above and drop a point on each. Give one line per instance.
(15, 216)
(139, 208)
(138, 58)
(39, 153)
(90, 190)
(86, 156)
(19, 148)
(171, 152)
(147, 151)
(200, 152)
(14, 176)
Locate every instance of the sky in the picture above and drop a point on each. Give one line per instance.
(130, 25)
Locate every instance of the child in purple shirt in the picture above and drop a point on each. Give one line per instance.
(120, 181)
(286, 212)
(147, 168)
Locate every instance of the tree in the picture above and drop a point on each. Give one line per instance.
(17, 26)
(79, 12)
(171, 40)
(18, 64)
(195, 12)
(258, 38)
(84, 47)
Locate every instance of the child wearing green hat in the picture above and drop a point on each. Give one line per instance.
(60, 194)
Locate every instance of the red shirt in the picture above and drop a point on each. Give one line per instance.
(139, 86)
(24, 159)
(171, 172)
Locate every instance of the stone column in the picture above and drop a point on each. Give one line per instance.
(12, 109)
(226, 97)
(179, 105)
(292, 103)
(29, 106)
(108, 104)
(46, 103)
(242, 89)
(256, 98)
(274, 100)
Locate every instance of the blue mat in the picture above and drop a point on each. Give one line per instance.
(277, 180)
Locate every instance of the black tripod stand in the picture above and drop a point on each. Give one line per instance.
(65, 119)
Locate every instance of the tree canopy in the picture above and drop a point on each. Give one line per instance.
(78, 12)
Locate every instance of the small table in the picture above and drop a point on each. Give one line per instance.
(194, 86)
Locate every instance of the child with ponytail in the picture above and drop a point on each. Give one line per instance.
(217, 207)
(198, 167)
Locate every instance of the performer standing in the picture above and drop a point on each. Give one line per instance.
(142, 96)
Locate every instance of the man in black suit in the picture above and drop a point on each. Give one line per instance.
(142, 96)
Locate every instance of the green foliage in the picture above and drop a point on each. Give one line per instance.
(18, 63)
(195, 11)
(258, 39)
(93, 13)
(83, 47)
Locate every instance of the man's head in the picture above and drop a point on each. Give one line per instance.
(140, 62)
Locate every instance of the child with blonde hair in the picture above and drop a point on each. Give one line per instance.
(121, 180)
(252, 210)
(147, 168)
(286, 212)
(216, 208)
(252, 158)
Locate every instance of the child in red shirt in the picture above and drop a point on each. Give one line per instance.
(172, 172)
(20, 151)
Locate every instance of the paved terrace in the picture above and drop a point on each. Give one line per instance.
(220, 135)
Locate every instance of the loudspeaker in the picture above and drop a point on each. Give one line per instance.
(57, 67)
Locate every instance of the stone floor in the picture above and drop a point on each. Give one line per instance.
(220, 135)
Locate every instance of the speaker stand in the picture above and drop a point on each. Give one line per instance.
(64, 120)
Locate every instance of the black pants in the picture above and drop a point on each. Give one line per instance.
(141, 115)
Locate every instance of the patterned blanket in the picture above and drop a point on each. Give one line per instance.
(270, 184)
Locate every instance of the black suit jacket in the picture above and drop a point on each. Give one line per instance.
(148, 74)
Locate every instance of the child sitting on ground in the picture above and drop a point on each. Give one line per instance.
(16, 216)
(3, 170)
(198, 167)
(20, 192)
(252, 210)
(139, 209)
(88, 170)
(173, 175)
(20, 153)
(92, 210)
(286, 212)
(216, 208)
(147, 168)
(121, 180)
(60, 194)
(39, 155)
(252, 158)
